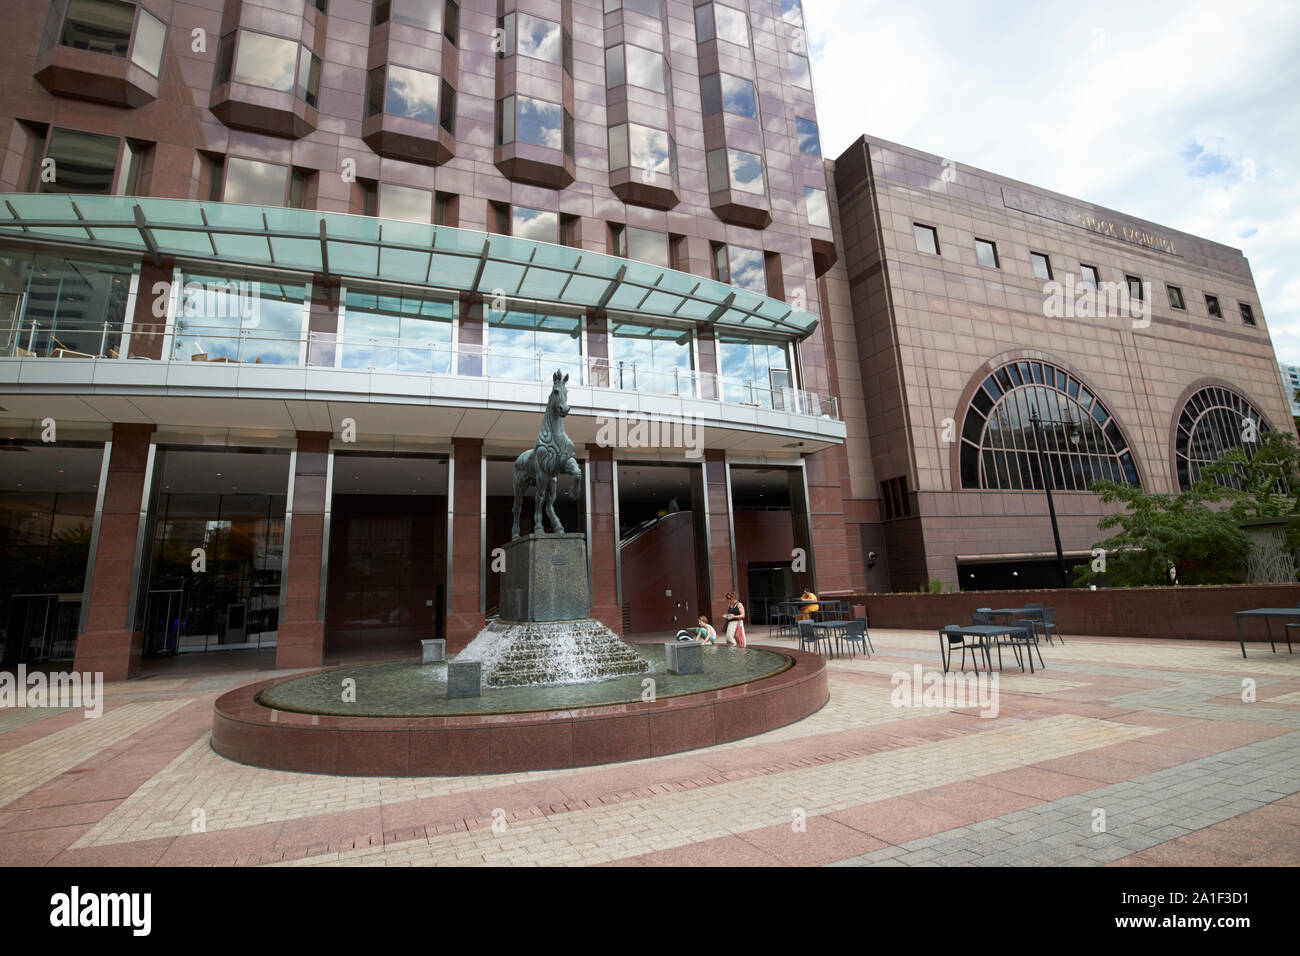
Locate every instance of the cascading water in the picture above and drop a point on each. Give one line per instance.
(523, 653)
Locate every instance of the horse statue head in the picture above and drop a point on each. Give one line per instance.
(560, 393)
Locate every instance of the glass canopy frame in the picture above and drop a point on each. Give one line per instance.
(348, 246)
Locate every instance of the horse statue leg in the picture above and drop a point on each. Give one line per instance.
(541, 483)
(556, 527)
(521, 485)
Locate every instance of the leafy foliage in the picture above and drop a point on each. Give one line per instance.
(1195, 537)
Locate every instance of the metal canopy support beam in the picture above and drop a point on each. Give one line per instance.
(482, 264)
(721, 308)
(324, 251)
(614, 283)
(207, 232)
(147, 236)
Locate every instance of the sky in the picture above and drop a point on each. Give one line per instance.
(1186, 114)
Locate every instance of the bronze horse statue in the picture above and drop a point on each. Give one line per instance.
(540, 466)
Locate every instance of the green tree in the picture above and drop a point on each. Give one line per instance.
(1165, 539)
(1195, 537)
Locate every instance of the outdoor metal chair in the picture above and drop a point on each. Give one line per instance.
(809, 635)
(782, 618)
(951, 639)
(1025, 634)
(855, 632)
(1048, 624)
(981, 616)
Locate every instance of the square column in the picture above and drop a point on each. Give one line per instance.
(300, 640)
(603, 532)
(722, 548)
(110, 644)
(464, 611)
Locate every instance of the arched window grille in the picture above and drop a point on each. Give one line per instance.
(997, 439)
(1214, 421)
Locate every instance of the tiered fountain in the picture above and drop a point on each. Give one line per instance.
(557, 687)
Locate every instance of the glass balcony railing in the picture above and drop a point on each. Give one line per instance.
(262, 346)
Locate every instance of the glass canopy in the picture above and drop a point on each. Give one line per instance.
(344, 245)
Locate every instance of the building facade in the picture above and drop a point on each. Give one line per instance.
(285, 289)
(285, 286)
(978, 302)
(1291, 382)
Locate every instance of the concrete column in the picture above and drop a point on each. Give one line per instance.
(110, 643)
(300, 639)
(722, 552)
(464, 619)
(147, 329)
(604, 538)
(826, 518)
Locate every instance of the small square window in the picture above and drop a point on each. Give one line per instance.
(1134, 287)
(927, 239)
(1042, 265)
(1091, 277)
(1212, 306)
(1247, 314)
(1176, 298)
(987, 253)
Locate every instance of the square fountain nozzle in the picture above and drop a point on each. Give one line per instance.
(685, 657)
(464, 678)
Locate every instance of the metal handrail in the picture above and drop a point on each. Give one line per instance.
(192, 342)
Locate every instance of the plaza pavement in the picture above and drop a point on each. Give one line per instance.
(1120, 752)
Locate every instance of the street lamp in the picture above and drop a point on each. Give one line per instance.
(1075, 436)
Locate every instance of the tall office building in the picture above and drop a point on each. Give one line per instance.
(1291, 382)
(285, 285)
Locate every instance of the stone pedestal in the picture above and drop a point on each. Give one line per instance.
(545, 579)
(433, 651)
(685, 657)
(464, 678)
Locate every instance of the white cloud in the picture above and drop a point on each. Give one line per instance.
(1181, 113)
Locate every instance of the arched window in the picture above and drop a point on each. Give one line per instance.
(1082, 442)
(1214, 421)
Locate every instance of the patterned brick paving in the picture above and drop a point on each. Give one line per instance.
(1155, 735)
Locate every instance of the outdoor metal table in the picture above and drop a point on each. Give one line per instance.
(829, 627)
(986, 632)
(1266, 613)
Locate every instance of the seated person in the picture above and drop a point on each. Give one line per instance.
(807, 611)
(703, 631)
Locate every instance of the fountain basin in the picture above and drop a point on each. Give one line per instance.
(482, 735)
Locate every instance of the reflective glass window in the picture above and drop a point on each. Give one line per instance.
(238, 320)
(405, 202)
(389, 330)
(149, 36)
(819, 210)
(517, 335)
(254, 182)
(809, 140)
(267, 61)
(537, 224)
(101, 26)
(83, 162)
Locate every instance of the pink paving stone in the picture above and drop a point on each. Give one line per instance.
(139, 853)
(37, 847)
(824, 840)
(220, 847)
(43, 818)
(973, 801)
(1046, 785)
(898, 819)
(1096, 766)
(329, 828)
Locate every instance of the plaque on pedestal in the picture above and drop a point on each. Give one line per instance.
(545, 579)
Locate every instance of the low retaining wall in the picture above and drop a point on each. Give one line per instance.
(1195, 613)
(244, 730)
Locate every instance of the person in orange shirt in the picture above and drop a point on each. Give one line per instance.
(808, 609)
